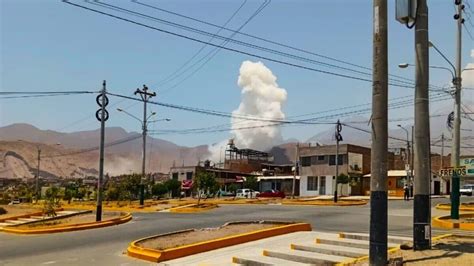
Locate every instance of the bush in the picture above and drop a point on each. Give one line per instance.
(159, 190)
(2, 211)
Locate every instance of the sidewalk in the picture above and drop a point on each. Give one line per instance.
(368, 197)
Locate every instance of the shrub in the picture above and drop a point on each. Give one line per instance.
(2, 211)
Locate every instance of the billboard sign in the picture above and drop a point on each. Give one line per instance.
(468, 163)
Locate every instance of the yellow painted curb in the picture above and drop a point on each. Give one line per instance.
(74, 227)
(328, 203)
(447, 207)
(191, 208)
(154, 255)
(389, 251)
(444, 222)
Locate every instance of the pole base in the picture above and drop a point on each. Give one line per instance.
(421, 223)
(378, 228)
(98, 213)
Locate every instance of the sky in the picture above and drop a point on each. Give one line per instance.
(52, 46)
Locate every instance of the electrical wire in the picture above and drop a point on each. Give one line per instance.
(266, 40)
(237, 50)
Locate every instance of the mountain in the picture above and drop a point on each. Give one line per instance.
(19, 144)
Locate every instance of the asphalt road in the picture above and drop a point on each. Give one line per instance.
(107, 246)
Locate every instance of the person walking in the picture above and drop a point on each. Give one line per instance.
(406, 189)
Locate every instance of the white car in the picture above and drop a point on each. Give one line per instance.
(467, 190)
(246, 193)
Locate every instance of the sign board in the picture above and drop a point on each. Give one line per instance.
(468, 163)
(461, 171)
(355, 163)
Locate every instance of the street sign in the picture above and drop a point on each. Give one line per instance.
(461, 171)
(468, 163)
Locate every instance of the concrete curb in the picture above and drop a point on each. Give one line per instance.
(27, 215)
(154, 255)
(389, 251)
(329, 203)
(444, 222)
(447, 207)
(191, 208)
(74, 227)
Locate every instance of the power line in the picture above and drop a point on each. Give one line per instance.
(265, 40)
(239, 51)
(211, 54)
(45, 92)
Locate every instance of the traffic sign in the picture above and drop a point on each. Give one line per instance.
(461, 171)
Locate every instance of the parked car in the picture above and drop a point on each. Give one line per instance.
(272, 194)
(227, 193)
(246, 193)
(14, 201)
(467, 190)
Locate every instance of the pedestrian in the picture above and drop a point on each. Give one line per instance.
(406, 195)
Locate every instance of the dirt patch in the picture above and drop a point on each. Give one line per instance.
(76, 219)
(446, 252)
(199, 235)
(16, 210)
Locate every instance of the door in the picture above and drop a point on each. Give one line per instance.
(448, 187)
(437, 188)
(322, 185)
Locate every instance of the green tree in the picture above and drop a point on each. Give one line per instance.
(159, 189)
(173, 186)
(251, 182)
(204, 182)
(52, 201)
(233, 188)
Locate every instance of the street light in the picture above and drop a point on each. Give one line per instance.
(408, 147)
(144, 124)
(406, 65)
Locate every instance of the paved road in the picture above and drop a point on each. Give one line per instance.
(106, 246)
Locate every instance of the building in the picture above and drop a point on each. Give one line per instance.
(318, 169)
(278, 177)
(245, 160)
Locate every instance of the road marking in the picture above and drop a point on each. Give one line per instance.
(48, 262)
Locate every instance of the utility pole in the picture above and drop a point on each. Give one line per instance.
(442, 158)
(412, 164)
(338, 138)
(145, 95)
(455, 161)
(378, 180)
(422, 206)
(102, 115)
(293, 192)
(37, 192)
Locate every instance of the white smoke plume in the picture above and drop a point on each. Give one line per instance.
(261, 97)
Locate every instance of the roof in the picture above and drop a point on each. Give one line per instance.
(395, 173)
(281, 177)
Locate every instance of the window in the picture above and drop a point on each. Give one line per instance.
(321, 158)
(189, 175)
(306, 161)
(175, 176)
(332, 159)
(314, 160)
(312, 184)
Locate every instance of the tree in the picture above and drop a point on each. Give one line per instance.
(173, 186)
(159, 189)
(204, 181)
(68, 195)
(52, 201)
(233, 188)
(251, 182)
